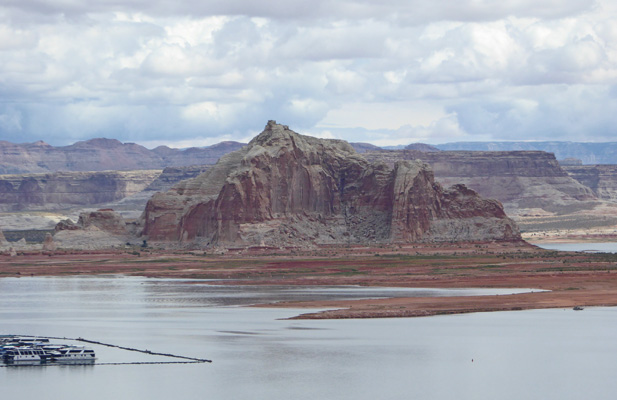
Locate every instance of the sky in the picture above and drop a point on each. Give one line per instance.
(196, 72)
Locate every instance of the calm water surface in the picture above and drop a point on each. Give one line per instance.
(541, 354)
(605, 247)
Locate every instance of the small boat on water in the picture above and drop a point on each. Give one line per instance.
(72, 353)
(25, 353)
(11, 342)
(22, 341)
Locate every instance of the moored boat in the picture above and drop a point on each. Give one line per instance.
(25, 354)
(33, 350)
(72, 354)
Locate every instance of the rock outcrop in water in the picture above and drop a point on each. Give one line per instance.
(289, 189)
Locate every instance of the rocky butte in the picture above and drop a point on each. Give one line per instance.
(286, 189)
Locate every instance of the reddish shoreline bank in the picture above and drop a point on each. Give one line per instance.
(574, 279)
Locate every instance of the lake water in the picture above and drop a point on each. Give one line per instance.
(540, 354)
(605, 247)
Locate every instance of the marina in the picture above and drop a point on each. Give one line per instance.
(29, 350)
(19, 350)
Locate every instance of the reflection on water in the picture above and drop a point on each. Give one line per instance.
(544, 354)
(100, 292)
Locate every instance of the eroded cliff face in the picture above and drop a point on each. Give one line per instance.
(521, 180)
(66, 189)
(289, 189)
(172, 175)
(602, 179)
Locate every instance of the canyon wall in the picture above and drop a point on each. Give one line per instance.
(521, 180)
(172, 175)
(62, 190)
(66, 189)
(601, 179)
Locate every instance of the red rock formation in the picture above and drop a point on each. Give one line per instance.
(289, 189)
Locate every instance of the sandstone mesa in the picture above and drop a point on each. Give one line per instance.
(520, 180)
(287, 189)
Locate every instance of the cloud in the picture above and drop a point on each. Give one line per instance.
(574, 113)
(418, 11)
(395, 70)
(438, 131)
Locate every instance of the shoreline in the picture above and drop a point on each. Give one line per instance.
(572, 279)
(424, 306)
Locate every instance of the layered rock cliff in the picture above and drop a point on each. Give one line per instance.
(521, 180)
(172, 175)
(601, 179)
(289, 189)
(588, 152)
(67, 189)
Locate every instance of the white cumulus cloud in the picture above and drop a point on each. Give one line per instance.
(388, 72)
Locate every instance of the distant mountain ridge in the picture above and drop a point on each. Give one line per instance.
(103, 154)
(421, 147)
